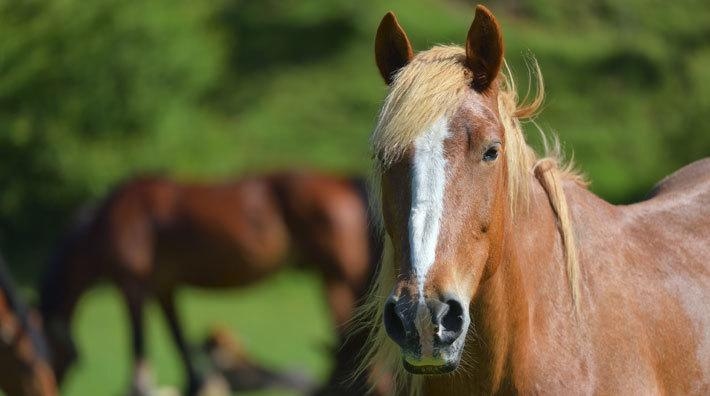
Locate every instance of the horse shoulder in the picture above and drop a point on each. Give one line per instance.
(663, 245)
(645, 269)
(128, 218)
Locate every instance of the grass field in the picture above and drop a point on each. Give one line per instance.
(283, 322)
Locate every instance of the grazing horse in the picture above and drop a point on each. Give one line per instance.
(154, 235)
(500, 268)
(24, 364)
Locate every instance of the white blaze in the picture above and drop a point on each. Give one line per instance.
(428, 182)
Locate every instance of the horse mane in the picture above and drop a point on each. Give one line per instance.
(432, 85)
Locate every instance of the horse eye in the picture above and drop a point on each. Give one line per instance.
(491, 154)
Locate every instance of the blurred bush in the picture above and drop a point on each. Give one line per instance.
(85, 88)
(92, 92)
(629, 84)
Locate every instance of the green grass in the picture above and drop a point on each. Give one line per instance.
(282, 322)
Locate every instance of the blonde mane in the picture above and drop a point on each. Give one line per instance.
(432, 85)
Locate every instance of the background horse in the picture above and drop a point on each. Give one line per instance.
(153, 235)
(24, 363)
(501, 267)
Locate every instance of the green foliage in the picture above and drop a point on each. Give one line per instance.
(94, 92)
(626, 84)
(85, 87)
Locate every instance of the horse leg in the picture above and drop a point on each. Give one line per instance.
(341, 301)
(142, 382)
(167, 303)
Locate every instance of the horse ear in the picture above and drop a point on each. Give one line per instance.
(484, 48)
(393, 50)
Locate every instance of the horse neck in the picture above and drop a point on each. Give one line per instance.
(529, 268)
(71, 272)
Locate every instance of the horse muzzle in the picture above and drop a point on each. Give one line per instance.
(430, 331)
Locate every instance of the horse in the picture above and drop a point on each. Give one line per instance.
(24, 361)
(502, 273)
(153, 235)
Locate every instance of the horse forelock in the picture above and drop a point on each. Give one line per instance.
(434, 85)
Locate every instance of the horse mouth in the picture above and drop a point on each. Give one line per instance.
(436, 359)
(429, 369)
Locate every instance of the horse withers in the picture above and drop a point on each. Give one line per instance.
(154, 235)
(500, 267)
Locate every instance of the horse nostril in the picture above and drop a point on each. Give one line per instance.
(452, 322)
(394, 324)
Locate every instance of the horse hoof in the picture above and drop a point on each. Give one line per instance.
(214, 385)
